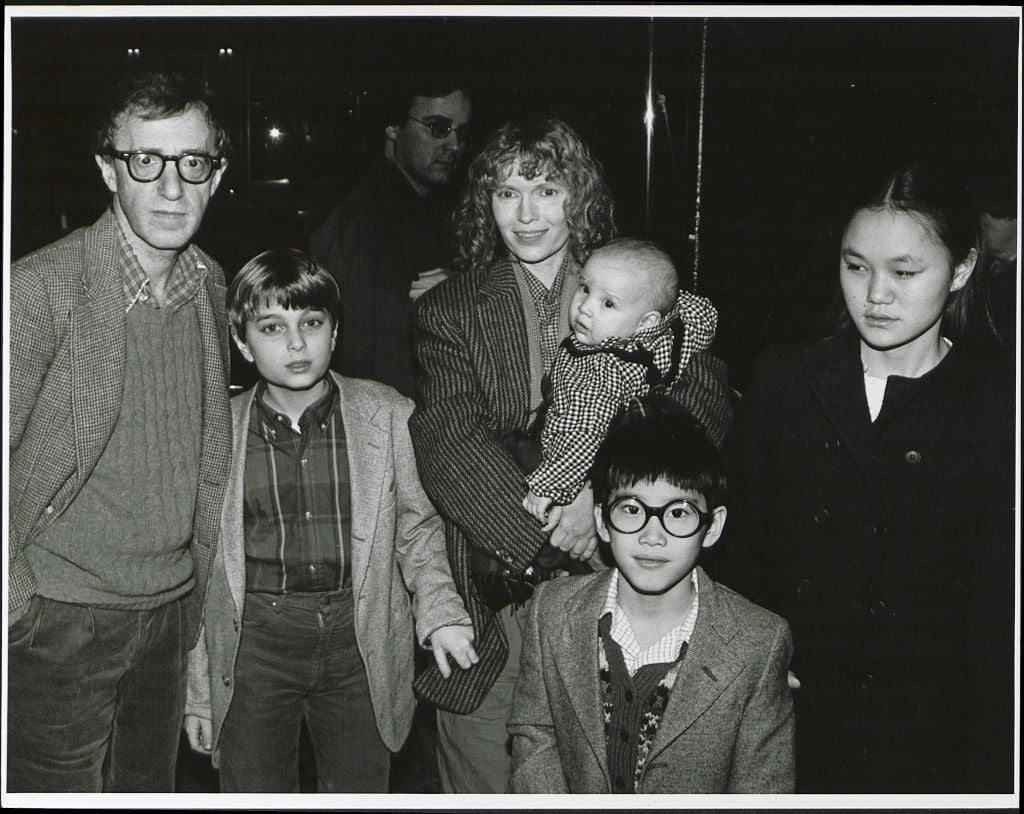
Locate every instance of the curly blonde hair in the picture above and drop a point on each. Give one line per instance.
(542, 147)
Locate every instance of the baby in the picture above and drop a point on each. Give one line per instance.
(632, 329)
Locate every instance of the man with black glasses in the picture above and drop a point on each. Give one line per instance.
(119, 450)
(385, 242)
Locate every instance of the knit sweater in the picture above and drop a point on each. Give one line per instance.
(633, 707)
(98, 554)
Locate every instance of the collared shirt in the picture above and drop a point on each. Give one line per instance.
(666, 649)
(547, 301)
(185, 277)
(297, 506)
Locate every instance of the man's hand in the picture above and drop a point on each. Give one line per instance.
(455, 641)
(426, 281)
(200, 733)
(575, 532)
(541, 508)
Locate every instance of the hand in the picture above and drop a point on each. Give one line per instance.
(536, 505)
(455, 641)
(200, 733)
(426, 281)
(575, 532)
(792, 680)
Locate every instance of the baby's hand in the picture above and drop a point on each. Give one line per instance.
(536, 505)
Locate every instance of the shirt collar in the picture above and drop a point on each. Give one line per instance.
(188, 273)
(318, 412)
(611, 602)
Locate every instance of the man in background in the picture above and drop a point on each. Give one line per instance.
(385, 242)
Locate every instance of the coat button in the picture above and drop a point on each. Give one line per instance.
(226, 680)
(49, 510)
(235, 623)
(866, 681)
(822, 516)
(831, 445)
(912, 457)
(878, 608)
(803, 586)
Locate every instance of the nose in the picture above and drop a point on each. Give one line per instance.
(879, 290)
(171, 185)
(653, 532)
(296, 341)
(527, 209)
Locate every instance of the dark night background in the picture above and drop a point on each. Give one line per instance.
(797, 112)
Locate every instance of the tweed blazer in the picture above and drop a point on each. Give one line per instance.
(728, 726)
(479, 367)
(68, 350)
(397, 546)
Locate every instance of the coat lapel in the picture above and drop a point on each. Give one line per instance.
(838, 385)
(708, 668)
(367, 444)
(97, 336)
(578, 666)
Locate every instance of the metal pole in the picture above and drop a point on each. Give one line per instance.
(700, 155)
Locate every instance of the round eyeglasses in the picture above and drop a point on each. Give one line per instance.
(680, 518)
(442, 128)
(145, 166)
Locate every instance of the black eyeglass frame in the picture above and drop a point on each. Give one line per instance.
(656, 511)
(439, 130)
(126, 157)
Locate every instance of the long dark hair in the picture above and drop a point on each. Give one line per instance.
(542, 146)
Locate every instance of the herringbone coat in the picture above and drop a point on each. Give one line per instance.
(67, 364)
(479, 378)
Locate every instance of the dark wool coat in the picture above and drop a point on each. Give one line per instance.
(476, 356)
(67, 374)
(889, 547)
(375, 243)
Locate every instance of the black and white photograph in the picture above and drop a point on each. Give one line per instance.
(511, 406)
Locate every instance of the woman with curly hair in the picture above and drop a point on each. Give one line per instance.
(535, 207)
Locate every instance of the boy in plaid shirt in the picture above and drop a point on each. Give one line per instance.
(632, 329)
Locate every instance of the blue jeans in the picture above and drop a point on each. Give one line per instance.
(95, 698)
(298, 660)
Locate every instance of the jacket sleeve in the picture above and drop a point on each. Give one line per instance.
(33, 345)
(536, 766)
(763, 757)
(473, 480)
(587, 393)
(419, 539)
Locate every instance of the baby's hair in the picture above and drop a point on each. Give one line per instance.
(286, 277)
(650, 259)
(659, 442)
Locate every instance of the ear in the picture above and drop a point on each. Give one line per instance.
(649, 320)
(334, 337)
(714, 531)
(602, 531)
(106, 165)
(962, 272)
(242, 347)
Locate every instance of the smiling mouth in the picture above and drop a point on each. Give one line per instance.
(298, 367)
(531, 235)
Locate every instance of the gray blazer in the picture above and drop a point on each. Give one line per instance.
(397, 545)
(728, 726)
(66, 381)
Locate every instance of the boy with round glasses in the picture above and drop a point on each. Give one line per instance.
(691, 676)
